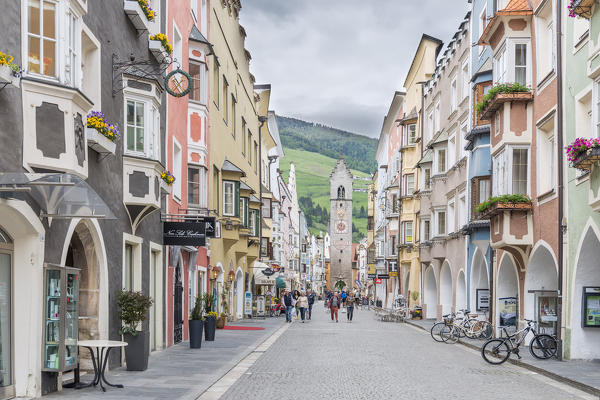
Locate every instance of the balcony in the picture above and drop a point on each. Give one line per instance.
(511, 224)
(142, 187)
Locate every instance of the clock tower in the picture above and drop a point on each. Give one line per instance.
(340, 225)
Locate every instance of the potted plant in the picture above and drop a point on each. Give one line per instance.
(9, 71)
(210, 317)
(224, 306)
(417, 313)
(101, 135)
(196, 324)
(133, 309)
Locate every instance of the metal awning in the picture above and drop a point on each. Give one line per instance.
(59, 195)
(231, 167)
(427, 158)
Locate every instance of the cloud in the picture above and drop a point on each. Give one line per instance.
(338, 62)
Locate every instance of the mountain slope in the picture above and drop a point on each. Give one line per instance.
(358, 150)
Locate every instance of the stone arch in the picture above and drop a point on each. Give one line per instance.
(585, 342)
(446, 287)
(479, 276)
(461, 291)
(430, 297)
(507, 288)
(542, 274)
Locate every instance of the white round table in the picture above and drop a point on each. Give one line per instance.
(103, 348)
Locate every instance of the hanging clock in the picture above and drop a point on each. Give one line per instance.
(178, 83)
(341, 226)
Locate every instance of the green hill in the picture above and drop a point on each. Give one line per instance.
(358, 150)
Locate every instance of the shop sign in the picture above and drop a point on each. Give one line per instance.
(393, 273)
(591, 307)
(268, 272)
(248, 303)
(371, 276)
(383, 276)
(378, 281)
(189, 233)
(483, 299)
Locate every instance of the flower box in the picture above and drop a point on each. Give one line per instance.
(498, 208)
(499, 99)
(581, 8)
(588, 158)
(136, 15)
(7, 76)
(100, 143)
(157, 49)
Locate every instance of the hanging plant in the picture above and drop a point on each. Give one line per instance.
(95, 119)
(164, 40)
(513, 87)
(167, 177)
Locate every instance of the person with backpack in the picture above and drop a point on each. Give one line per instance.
(350, 306)
(288, 302)
(344, 296)
(311, 300)
(334, 304)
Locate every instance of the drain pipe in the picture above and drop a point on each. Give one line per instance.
(262, 120)
(559, 153)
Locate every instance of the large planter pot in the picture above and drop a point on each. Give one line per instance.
(221, 322)
(137, 351)
(196, 327)
(210, 326)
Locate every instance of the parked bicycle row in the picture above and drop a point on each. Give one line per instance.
(453, 327)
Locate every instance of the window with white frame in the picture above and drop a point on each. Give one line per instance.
(177, 45)
(512, 61)
(500, 66)
(452, 150)
(462, 209)
(453, 94)
(546, 155)
(482, 25)
(73, 45)
(194, 9)
(199, 82)
(501, 4)
(142, 119)
(545, 41)
(42, 37)
(466, 80)
(463, 141)
(430, 127)
(451, 217)
(596, 109)
(197, 187)
(412, 134)
(436, 113)
(203, 15)
(440, 222)
(128, 267)
(409, 184)
(581, 29)
(511, 171)
(266, 208)
(425, 230)
(228, 198)
(177, 166)
(407, 232)
(497, 123)
(426, 178)
(252, 223)
(440, 160)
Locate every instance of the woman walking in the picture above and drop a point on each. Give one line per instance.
(302, 305)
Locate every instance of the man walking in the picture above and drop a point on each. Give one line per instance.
(311, 300)
(350, 306)
(334, 304)
(288, 302)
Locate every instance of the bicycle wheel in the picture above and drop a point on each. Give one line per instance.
(543, 347)
(472, 329)
(449, 334)
(483, 330)
(435, 331)
(495, 351)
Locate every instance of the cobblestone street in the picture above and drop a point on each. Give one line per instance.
(321, 359)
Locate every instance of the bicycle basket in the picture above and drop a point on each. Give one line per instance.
(448, 320)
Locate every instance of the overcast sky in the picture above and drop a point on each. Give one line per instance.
(338, 62)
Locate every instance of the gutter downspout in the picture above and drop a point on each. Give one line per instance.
(561, 200)
(262, 121)
(398, 236)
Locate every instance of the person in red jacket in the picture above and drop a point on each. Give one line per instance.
(334, 305)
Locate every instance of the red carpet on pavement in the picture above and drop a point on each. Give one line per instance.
(244, 328)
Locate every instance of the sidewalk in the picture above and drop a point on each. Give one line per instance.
(180, 372)
(582, 374)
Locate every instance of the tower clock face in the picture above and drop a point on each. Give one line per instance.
(341, 227)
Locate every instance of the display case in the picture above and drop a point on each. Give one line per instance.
(591, 307)
(61, 314)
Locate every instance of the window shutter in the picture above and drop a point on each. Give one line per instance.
(236, 199)
(256, 222)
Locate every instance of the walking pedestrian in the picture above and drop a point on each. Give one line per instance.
(334, 304)
(344, 295)
(302, 305)
(296, 295)
(311, 300)
(350, 306)
(288, 302)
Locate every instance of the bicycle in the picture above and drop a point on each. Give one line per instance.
(468, 326)
(497, 351)
(436, 329)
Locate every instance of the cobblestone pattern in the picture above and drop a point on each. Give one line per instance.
(369, 359)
